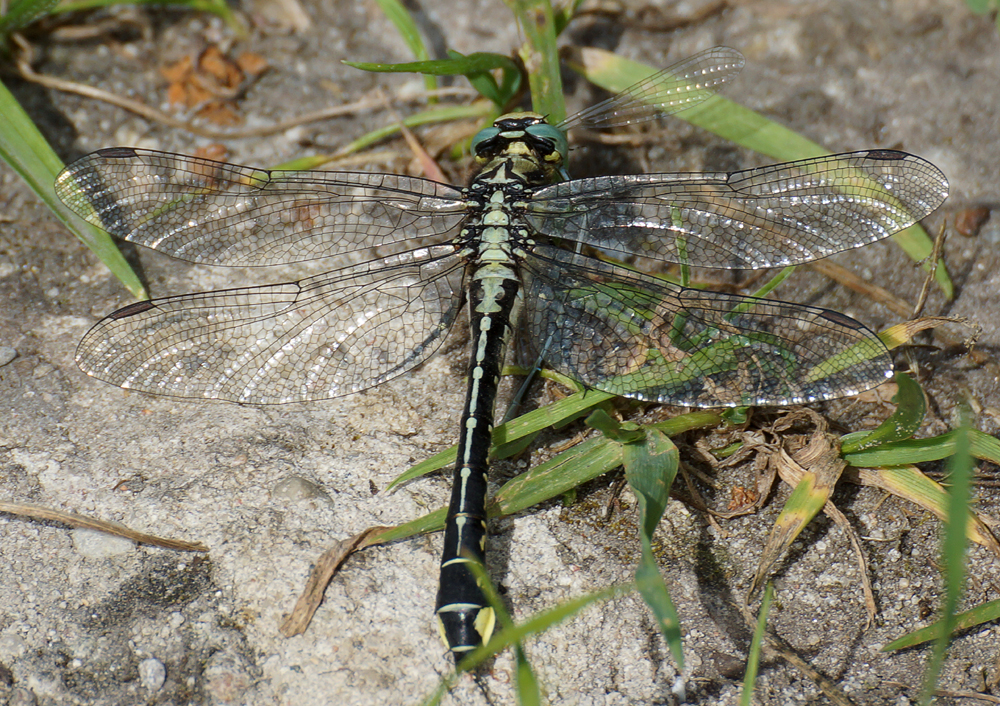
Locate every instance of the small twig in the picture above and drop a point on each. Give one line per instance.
(850, 280)
(84, 522)
(323, 570)
(428, 166)
(935, 256)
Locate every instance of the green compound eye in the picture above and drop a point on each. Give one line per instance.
(553, 134)
(484, 135)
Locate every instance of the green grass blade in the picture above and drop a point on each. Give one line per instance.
(952, 554)
(899, 453)
(431, 522)
(756, 646)
(553, 415)
(216, 7)
(564, 13)
(396, 13)
(21, 13)
(529, 693)
(745, 127)
(514, 635)
(901, 424)
(540, 622)
(24, 148)
(687, 422)
(613, 429)
(475, 67)
(458, 65)
(579, 464)
(408, 30)
(551, 479)
(650, 468)
(773, 283)
(983, 446)
(541, 57)
(442, 459)
(980, 615)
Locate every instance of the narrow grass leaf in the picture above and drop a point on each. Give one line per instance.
(980, 615)
(900, 453)
(564, 12)
(513, 447)
(773, 283)
(541, 622)
(457, 65)
(27, 152)
(650, 468)
(528, 424)
(952, 554)
(756, 647)
(911, 406)
(613, 429)
(541, 57)
(21, 13)
(401, 18)
(216, 7)
(518, 633)
(431, 522)
(689, 421)
(529, 693)
(548, 480)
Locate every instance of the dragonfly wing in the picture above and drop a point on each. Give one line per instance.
(321, 337)
(638, 336)
(669, 91)
(772, 216)
(215, 213)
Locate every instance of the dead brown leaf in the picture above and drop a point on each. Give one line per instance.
(211, 84)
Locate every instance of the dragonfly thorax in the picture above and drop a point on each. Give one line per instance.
(534, 150)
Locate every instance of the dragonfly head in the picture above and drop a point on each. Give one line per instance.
(526, 136)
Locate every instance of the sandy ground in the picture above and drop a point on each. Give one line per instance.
(91, 620)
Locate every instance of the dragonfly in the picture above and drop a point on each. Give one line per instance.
(527, 249)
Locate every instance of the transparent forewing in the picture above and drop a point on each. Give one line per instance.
(637, 336)
(673, 89)
(321, 337)
(224, 214)
(765, 217)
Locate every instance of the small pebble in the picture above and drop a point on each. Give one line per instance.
(152, 674)
(7, 354)
(296, 488)
(227, 677)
